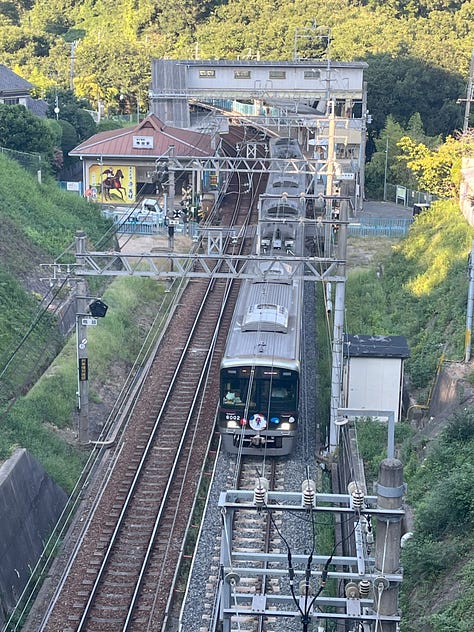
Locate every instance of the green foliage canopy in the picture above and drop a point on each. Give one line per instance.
(437, 171)
(22, 131)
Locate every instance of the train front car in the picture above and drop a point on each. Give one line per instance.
(260, 372)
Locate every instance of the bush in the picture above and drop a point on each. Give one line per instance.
(461, 427)
(449, 506)
(425, 559)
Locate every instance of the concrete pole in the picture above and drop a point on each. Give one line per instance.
(390, 492)
(170, 198)
(470, 301)
(83, 363)
(467, 109)
(363, 143)
(171, 185)
(338, 329)
(81, 347)
(330, 168)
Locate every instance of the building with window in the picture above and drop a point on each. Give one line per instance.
(14, 90)
(295, 98)
(122, 166)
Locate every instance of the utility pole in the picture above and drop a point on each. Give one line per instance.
(73, 57)
(338, 330)
(330, 168)
(170, 198)
(82, 363)
(469, 95)
(470, 301)
(390, 492)
(338, 323)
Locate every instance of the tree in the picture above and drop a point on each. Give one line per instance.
(437, 171)
(23, 131)
(384, 166)
(73, 110)
(404, 85)
(69, 140)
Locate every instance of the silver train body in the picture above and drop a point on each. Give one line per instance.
(260, 370)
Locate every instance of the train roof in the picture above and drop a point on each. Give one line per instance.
(266, 325)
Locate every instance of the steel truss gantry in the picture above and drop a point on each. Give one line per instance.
(167, 264)
(239, 567)
(241, 164)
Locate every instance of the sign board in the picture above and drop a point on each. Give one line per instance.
(89, 321)
(401, 195)
(73, 186)
(345, 176)
(83, 369)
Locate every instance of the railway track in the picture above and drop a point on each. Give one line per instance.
(132, 528)
(255, 531)
(140, 524)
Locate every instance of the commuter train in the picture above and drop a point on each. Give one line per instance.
(260, 369)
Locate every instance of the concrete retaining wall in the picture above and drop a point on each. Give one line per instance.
(30, 505)
(445, 396)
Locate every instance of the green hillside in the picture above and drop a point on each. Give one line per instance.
(422, 294)
(38, 225)
(418, 52)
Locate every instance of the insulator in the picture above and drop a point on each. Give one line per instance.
(364, 588)
(308, 489)
(357, 496)
(352, 590)
(358, 500)
(260, 492)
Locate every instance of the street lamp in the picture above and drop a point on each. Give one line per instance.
(385, 172)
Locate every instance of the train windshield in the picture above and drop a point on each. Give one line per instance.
(260, 388)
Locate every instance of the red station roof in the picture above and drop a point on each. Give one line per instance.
(119, 143)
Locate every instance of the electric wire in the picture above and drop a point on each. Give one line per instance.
(37, 319)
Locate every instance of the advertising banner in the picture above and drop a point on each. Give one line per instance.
(112, 183)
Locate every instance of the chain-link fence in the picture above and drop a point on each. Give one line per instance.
(30, 162)
(405, 196)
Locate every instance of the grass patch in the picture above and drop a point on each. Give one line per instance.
(43, 420)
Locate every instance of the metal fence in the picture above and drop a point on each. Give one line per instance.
(30, 162)
(380, 227)
(132, 227)
(405, 196)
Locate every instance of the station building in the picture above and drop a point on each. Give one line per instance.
(192, 102)
(289, 98)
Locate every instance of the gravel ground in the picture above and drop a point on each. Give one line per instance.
(195, 614)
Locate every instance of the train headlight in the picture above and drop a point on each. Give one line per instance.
(285, 426)
(291, 420)
(232, 424)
